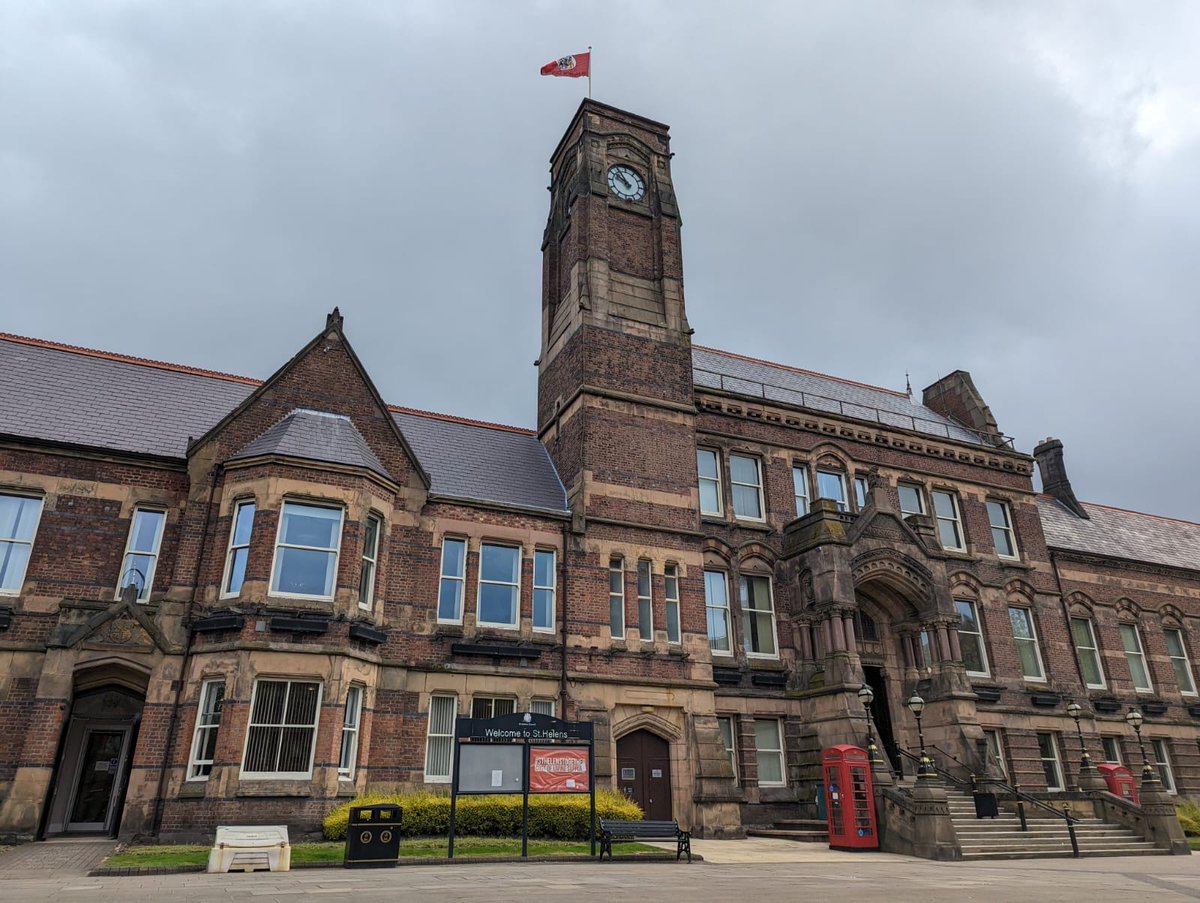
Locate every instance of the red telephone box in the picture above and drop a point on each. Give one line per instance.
(849, 799)
(1119, 781)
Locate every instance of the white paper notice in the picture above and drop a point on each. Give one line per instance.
(497, 777)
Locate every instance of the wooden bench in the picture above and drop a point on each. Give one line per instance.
(628, 831)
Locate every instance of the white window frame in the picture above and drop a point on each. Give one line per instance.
(516, 587)
(234, 546)
(729, 741)
(203, 728)
(351, 724)
(370, 563)
(543, 590)
(1006, 528)
(1056, 759)
(996, 749)
(645, 600)
(148, 586)
(956, 519)
(492, 699)
(759, 751)
(1094, 649)
(671, 604)
(6, 541)
(919, 490)
(1105, 739)
(448, 737)
(708, 605)
(800, 489)
(280, 544)
(1032, 638)
(862, 492)
(1162, 764)
(743, 598)
(978, 634)
(459, 579)
(616, 601)
(546, 705)
(250, 723)
(758, 488)
(1140, 653)
(844, 503)
(1180, 663)
(715, 457)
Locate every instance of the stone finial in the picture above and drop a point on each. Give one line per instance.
(334, 320)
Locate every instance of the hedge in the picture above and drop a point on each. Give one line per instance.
(555, 816)
(1189, 816)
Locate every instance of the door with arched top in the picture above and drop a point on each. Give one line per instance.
(644, 773)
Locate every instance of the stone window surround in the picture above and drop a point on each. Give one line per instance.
(750, 565)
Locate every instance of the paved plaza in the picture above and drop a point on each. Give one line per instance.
(759, 870)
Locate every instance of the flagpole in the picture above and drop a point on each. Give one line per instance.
(589, 71)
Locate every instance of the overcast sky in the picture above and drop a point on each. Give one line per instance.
(866, 189)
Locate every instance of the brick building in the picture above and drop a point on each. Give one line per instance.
(226, 601)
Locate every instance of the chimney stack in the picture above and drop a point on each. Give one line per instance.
(1049, 455)
(956, 397)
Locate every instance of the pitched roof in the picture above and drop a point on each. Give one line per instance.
(78, 396)
(1115, 533)
(715, 369)
(315, 436)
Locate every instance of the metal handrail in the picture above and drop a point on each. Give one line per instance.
(753, 388)
(959, 782)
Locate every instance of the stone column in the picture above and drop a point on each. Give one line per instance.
(1162, 824)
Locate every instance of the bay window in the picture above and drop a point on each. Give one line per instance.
(306, 551)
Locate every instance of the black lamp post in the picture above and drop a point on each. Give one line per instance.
(1075, 710)
(916, 705)
(1134, 719)
(867, 696)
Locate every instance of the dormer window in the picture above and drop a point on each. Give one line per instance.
(306, 551)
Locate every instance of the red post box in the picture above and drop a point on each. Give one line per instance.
(849, 799)
(1119, 781)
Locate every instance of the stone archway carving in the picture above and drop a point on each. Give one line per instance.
(655, 724)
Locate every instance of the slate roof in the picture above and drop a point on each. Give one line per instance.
(1115, 533)
(315, 436)
(775, 382)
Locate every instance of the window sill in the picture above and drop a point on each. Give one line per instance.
(192, 790)
(1016, 563)
(758, 526)
(277, 787)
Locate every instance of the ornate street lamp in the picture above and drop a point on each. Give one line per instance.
(867, 696)
(1134, 719)
(916, 705)
(1075, 710)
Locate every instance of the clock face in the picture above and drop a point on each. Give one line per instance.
(626, 184)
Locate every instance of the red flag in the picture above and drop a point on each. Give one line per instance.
(577, 66)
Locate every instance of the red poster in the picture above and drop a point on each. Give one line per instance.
(558, 769)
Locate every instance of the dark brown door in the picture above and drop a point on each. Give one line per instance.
(644, 773)
(102, 752)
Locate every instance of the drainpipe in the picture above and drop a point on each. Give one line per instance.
(563, 572)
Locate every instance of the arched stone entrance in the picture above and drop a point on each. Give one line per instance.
(644, 773)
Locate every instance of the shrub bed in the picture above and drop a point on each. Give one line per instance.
(1189, 816)
(554, 816)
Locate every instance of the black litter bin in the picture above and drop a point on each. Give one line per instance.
(373, 837)
(986, 805)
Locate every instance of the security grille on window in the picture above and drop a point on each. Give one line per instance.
(544, 582)
(912, 500)
(450, 587)
(745, 479)
(616, 599)
(1003, 537)
(492, 706)
(141, 552)
(19, 517)
(348, 755)
(945, 509)
(1179, 661)
(800, 489)
(542, 707)
(970, 637)
(671, 597)
(1025, 636)
(1048, 752)
(768, 743)
(208, 721)
(370, 557)
(306, 551)
(709, 471)
(499, 589)
(282, 730)
(725, 723)
(716, 606)
(1131, 639)
(645, 601)
(239, 548)
(1162, 761)
(1084, 635)
(758, 617)
(832, 485)
(439, 746)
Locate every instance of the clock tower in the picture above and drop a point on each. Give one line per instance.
(615, 397)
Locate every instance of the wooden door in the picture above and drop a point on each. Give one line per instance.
(644, 773)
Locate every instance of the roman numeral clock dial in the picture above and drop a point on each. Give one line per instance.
(625, 183)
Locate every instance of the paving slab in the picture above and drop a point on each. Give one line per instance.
(54, 858)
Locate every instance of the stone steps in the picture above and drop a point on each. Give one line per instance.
(799, 836)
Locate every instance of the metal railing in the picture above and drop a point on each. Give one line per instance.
(737, 385)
